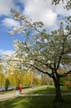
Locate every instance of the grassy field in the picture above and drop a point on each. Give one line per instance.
(37, 102)
(49, 90)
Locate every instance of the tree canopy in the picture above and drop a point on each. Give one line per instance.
(46, 52)
(68, 3)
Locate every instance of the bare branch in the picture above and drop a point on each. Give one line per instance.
(41, 70)
(65, 74)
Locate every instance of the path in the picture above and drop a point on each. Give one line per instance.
(25, 91)
(11, 95)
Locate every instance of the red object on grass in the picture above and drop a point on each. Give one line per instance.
(20, 88)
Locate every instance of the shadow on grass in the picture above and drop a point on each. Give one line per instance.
(35, 102)
(43, 91)
(27, 102)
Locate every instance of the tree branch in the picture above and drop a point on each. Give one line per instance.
(63, 47)
(46, 64)
(65, 74)
(41, 70)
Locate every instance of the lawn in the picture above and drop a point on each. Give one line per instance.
(37, 102)
(49, 90)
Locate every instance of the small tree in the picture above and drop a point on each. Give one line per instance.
(7, 83)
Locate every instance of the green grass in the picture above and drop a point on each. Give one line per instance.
(35, 102)
(50, 90)
(43, 91)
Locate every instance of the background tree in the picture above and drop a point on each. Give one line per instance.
(7, 83)
(2, 78)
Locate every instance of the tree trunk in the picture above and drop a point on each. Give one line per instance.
(58, 97)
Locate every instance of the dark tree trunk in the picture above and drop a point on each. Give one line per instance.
(58, 97)
(7, 84)
(6, 89)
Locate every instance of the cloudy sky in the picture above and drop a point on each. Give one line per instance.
(37, 10)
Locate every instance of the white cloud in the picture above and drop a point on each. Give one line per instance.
(50, 18)
(60, 10)
(6, 52)
(37, 10)
(44, 11)
(5, 6)
(8, 22)
(40, 11)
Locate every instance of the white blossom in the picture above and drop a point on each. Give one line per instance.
(31, 62)
(45, 41)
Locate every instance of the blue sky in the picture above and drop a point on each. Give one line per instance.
(6, 40)
(37, 10)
